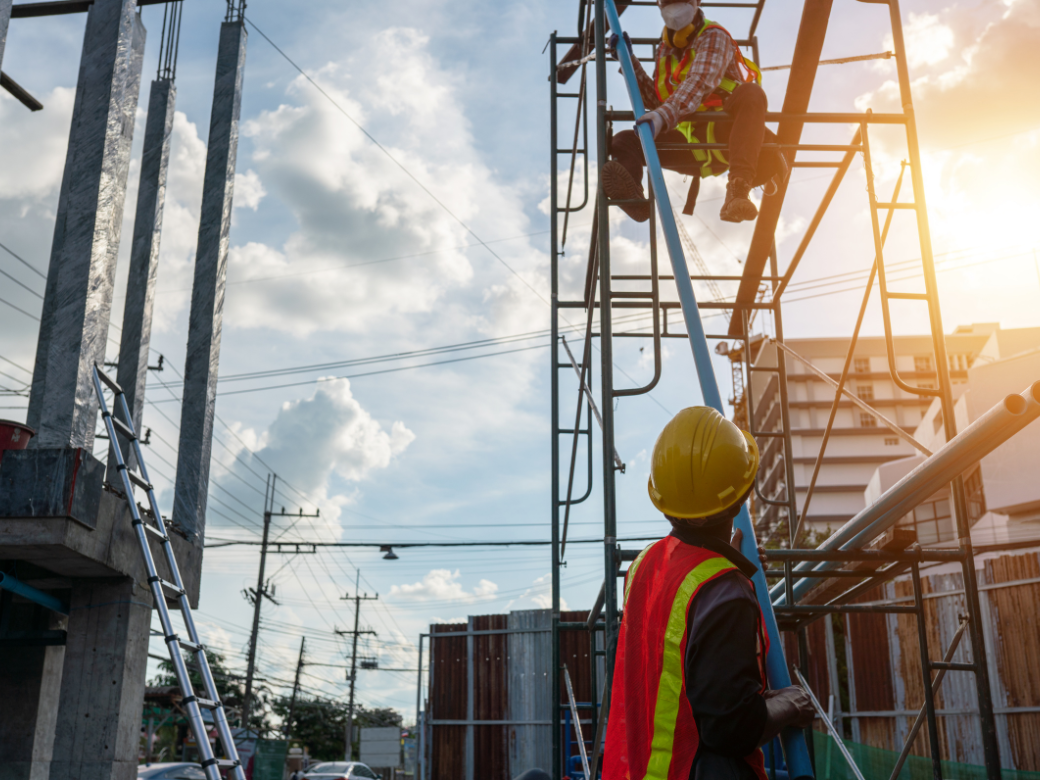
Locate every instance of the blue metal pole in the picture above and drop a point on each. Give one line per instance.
(9, 583)
(795, 750)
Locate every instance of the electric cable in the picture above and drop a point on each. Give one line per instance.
(396, 162)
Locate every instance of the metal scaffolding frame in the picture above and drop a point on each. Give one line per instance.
(758, 292)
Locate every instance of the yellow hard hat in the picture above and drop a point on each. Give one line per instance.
(702, 464)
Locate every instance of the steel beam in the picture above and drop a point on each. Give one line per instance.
(207, 294)
(808, 46)
(78, 299)
(132, 373)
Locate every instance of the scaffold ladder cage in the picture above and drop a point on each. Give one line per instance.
(778, 510)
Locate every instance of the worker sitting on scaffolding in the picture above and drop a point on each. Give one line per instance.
(689, 698)
(699, 69)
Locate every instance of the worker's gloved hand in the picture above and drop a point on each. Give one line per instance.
(785, 707)
(654, 120)
(612, 43)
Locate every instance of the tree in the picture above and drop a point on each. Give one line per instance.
(230, 688)
(320, 724)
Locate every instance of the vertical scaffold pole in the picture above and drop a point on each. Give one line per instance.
(990, 748)
(610, 609)
(554, 382)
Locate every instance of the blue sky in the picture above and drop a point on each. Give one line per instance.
(337, 255)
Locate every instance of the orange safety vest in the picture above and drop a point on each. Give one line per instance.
(651, 732)
(671, 71)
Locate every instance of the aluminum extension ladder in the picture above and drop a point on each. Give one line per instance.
(193, 703)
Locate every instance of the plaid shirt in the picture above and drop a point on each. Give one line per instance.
(714, 60)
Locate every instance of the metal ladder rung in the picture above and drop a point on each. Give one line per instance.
(168, 585)
(112, 384)
(228, 762)
(887, 206)
(908, 296)
(207, 704)
(121, 427)
(188, 645)
(137, 480)
(155, 531)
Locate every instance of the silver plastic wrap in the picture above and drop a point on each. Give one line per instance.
(78, 299)
(207, 294)
(132, 373)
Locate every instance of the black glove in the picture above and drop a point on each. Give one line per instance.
(789, 706)
(612, 43)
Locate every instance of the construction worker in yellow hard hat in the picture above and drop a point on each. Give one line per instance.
(689, 697)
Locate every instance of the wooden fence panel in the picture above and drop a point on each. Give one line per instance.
(1017, 650)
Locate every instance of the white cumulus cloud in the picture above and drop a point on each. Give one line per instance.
(443, 585)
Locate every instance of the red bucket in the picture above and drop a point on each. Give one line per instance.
(14, 435)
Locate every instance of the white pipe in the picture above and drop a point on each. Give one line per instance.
(976, 441)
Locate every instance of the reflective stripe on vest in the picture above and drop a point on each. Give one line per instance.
(671, 71)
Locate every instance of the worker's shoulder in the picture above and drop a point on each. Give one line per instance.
(729, 587)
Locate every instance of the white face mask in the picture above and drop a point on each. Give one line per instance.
(678, 15)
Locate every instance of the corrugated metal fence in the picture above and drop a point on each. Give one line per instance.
(489, 708)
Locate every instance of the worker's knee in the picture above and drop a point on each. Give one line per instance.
(751, 96)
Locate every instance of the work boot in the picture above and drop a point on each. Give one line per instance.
(618, 184)
(737, 207)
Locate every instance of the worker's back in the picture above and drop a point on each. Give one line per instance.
(652, 730)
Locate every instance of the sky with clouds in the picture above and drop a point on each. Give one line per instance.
(345, 254)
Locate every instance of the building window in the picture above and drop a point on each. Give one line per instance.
(861, 365)
(961, 361)
(923, 363)
(867, 420)
(891, 442)
(932, 522)
(865, 392)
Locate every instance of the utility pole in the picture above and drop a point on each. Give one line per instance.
(357, 599)
(295, 688)
(263, 591)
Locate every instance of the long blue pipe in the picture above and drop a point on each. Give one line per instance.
(795, 751)
(9, 583)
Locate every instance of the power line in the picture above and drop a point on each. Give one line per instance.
(369, 262)
(396, 162)
(24, 262)
(402, 545)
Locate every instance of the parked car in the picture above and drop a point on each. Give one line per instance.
(179, 770)
(341, 770)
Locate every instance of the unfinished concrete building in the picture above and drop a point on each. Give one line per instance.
(75, 611)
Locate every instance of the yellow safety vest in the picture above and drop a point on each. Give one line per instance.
(671, 71)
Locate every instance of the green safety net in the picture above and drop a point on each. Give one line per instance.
(877, 764)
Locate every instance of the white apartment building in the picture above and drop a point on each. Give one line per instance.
(861, 449)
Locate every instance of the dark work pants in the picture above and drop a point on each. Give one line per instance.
(744, 134)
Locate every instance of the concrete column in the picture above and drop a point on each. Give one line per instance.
(30, 677)
(106, 653)
(207, 295)
(78, 299)
(5, 18)
(132, 373)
